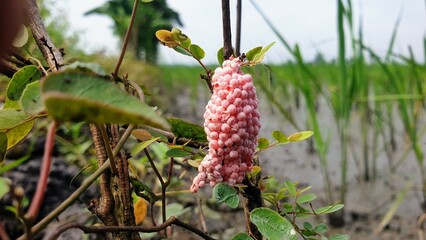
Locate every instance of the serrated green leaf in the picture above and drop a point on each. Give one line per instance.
(272, 225)
(181, 50)
(340, 237)
(31, 100)
(329, 209)
(291, 188)
(306, 198)
(279, 136)
(225, 193)
(142, 145)
(182, 128)
(20, 80)
(262, 143)
(3, 146)
(300, 136)
(252, 53)
(16, 124)
(77, 96)
(176, 152)
(197, 51)
(321, 228)
(241, 236)
(4, 187)
(220, 56)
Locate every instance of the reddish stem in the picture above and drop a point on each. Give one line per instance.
(44, 174)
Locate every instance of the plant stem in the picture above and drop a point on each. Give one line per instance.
(38, 197)
(50, 53)
(226, 24)
(126, 39)
(102, 229)
(86, 184)
(238, 29)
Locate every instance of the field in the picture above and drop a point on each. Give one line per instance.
(382, 174)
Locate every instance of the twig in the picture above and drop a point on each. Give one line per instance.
(38, 197)
(238, 29)
(201, 214)
(86, 184)
(50, 53)
(170, 137)
(226, 23)
(126, 39)
(102, 229)
(107, 146)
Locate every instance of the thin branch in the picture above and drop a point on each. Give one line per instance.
(126, 38)
(170, 137)
(86, 184)
(52, 55)
(102, 229)
(38, 197)
(107, 146)
(238, 29)
(226, 24)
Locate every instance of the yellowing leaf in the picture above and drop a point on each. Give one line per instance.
(140, 210)
(194, 163)
(166, 38)
(299, 136)
(15, 124)
(141, 134)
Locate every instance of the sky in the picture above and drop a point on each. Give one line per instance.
(310, 23)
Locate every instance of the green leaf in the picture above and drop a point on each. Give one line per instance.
(182, 128)
(11, 104)
(178, 36)
(272, 225)
(13, 164)
(252, 53)
(259, 57)
(340, 237)
(176, 152)
(181, 50)
(31, 100)
(225, 193)
(77, 96)
(89, 67)
(279, 136)
(241, 236)
(142, 145)
(321, 228)
(300, 136)
(308, 226)
(4, 187)
(306, 198)
(220, 56)
(291, 188)
(20, 79)
(3, 147)
(197, 51)
(16, 124)
(329, 209)
(147, 1)
(262, 143)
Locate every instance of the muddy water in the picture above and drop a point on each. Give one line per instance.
(367, 201)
